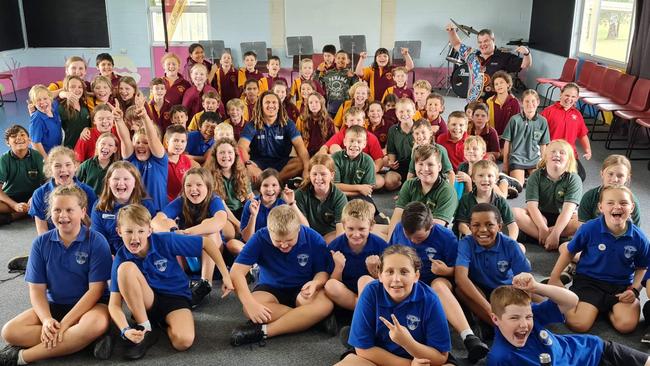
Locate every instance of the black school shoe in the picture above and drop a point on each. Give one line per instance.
(18, 264)
(135, 351)
(200, 290)
(646, 337)
(9, 355)
(247, 333)
(329, 325)
(476, 349)
(103, 347)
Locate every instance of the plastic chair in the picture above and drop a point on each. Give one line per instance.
(595, 83)
(568, 75)
(583, 78)
(620, 96)
(13, 87)
(639, 124)
(639, 102)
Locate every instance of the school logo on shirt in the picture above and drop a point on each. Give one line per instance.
(32, 174)
(602, 247)
(181, 89)
(503, 266)
(161, 264)
(303, 259)
(431, 253)
(166, 115)
(412, 322)
(560, 194)
(359, 173)
(629, 251)
(81, 257)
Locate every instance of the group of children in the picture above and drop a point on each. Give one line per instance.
(237, 167)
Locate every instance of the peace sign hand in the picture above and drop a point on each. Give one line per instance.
(397, 332)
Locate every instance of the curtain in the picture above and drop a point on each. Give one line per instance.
(639, 60)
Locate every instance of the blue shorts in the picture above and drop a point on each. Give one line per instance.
(277, 164)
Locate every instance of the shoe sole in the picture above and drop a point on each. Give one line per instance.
(103, 349)
(645, 340)
(478, 354)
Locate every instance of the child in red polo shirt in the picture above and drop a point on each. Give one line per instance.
(158, 107)
(179, 163)
(565, 122)
(503, 104)
(454, 140)
(103, 121)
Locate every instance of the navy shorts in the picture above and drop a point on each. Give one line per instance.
(285, 296)
(164, 304)
(598, 293)
(522, 167)
(277, 164)
(617, 354)
(59, 311)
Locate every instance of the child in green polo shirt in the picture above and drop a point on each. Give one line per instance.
(93, 171)
(400, 144)
(21, 173)
(319, 200)
(423, 135)
(355, 170)
(428, 187)
(553, 193)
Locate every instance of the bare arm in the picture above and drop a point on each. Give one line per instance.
(397, 217)
(359, 69)
(41, 226)
(155, 145)
(162, 223)
(38, 299)
(563, 260)
(513, 230)
(210, 225)
(381, 357)
(453, 36)
(126, 145)
(461, 275)
(87, 302)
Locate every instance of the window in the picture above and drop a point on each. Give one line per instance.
(192, 26)
(606, 29)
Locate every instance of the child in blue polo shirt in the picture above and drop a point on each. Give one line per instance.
(44, 123)
(486, 260)
(67, 272)
(199, 142)
(197, 211)
(613, 260)
(522, 337)
(437, 246)
(256, 211)
(60, 166)
(294, 266)
(399, 320)
(148, 154)
(148, 277)
(355, 254)
(122, 187)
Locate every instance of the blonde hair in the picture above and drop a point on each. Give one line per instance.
(72, 59)
(71, 190)
(55, 153)
(503, 296)
(617, 159)
(168, 56)
(422, 84)
(616, 187)
(36, 90)
(475, 139)
(485, 164)
(197, 66)
(224, 127)
(133, 213)
(528, 92)
(283, 220)
(353, 111)
(360, 210)
(235, 103)
(305, 61)
(404, 102)
(571, 166)
(357, 85)
(400, 69)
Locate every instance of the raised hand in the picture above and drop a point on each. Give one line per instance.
(396, 331)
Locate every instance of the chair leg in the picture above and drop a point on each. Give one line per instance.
(610, 135)
(630, 139)
(647, 135)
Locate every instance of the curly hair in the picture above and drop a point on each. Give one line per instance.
(258, 116)
(237, 171)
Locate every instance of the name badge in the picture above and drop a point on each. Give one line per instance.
(277, 137)
(108, 216)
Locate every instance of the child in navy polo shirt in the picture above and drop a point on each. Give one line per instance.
(486, 260)
(355, 254)
(436, 246)
(44, 123)
(148, 277)
(522, 337)
(294, 266)
(122, 186)
(67, 272)
(256, 211)
(197, 211)
(613, 260)
(60, 166)
(148, 154)
(199, 142)
(414, 329)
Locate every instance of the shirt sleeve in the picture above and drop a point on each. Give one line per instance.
(216, 205)
(174, 208)
(36, 267)
(96, 222)
(374, 148)
(249, 132)
(574, 190)
(507, 132)
(447, 203)
(462, 212)
(444, 159)
(532, 186)
(519, 261)
(641, 257)
(114, 286)
(36, 128)
(37, 207)
(364, 320)
(390, 142)
(547, 313)
(464, 256)
(340, 203)
(101, 260)
(451, 249)
(404, 195)
(437, 327)
(252, 250)
(546, 134)
(580, 240)
(183, 245)
(291, 131)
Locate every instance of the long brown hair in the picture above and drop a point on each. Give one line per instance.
(319, 159)
(69, 112)
(322, 118)
(192, 217)
(237, 171)
(258, 116)
(106, 201)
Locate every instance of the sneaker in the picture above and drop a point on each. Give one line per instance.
(5, 219)
(381, 219)
(476, 349)
(645, 339)
(567, 275)
(136, 351)
(512, 193)
(199, 291)
(329, 325)
(512, 182)
(103, 347)
(294, 183)
(17, 264)
(9, 355)
(247, 333)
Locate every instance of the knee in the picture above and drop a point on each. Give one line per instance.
(439, 286)
(333, 287)
(8, 332)
(96, 324)
(625, 326)
(579, 325)
(125, 269)
(181, 342)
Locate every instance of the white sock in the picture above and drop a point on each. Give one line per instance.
(20, 358)
(264, 330)
(146, 325)
(465, 333)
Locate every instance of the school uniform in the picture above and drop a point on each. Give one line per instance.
(262, 213)
(338, 118)
(468, 201)
(162, 271)
(379, 79)
(154, 177)
(565, 124)
(441, 198)
(358, 170)
(271, 145)
(85, 149)
(295, 87)
(491, 267)
(46, 130)
(236, 128)
(421, 313)
(91, 173)
(40, 199)
(292, 110)
(500, 114)
(321, 215)
(441, 244)
(175, 173)
(105, 222)
(439, 122)
(188, 66)
(455, 150)
(445, 163)
(607, 263)
(316, 138)
(403, 92)
(196, 144)
(174, 210)
(176, 89)
(68, 271)
(400, 144)
(266, 82)
(226, 84)
(193, 99)
(551, 195)
(372, 144)
(525, 137)
(160, 117)
(194, 122)
(588, 208)
(491, 139)
(73, 124)
(19, 178)
(380, 131)
(284, 274)
(355, 263)
(243, 74)
(234, 203)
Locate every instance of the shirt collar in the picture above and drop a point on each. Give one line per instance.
(495, 248)
(386, 302)
(80, 237)
(605, 230)
(29, 154)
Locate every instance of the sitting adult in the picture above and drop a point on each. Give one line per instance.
(266, 141)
